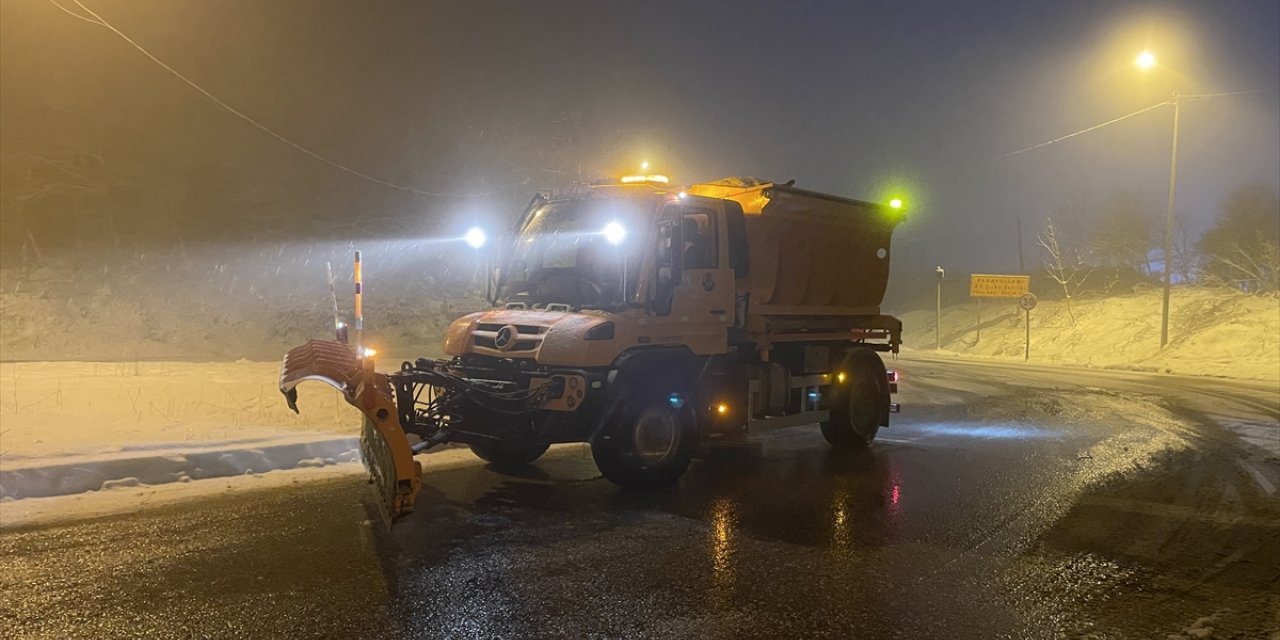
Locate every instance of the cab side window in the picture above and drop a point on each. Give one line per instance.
(668, 263)
(699, 239)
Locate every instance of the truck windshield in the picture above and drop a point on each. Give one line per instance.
(577, 252)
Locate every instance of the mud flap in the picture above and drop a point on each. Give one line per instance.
(393, 473)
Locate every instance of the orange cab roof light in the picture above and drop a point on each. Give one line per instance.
(660, 179)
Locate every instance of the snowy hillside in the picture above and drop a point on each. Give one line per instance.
(1212, 332)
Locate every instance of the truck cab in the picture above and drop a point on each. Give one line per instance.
(611, 268)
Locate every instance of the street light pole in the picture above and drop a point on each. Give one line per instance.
(1147, 61)
(1168, 227)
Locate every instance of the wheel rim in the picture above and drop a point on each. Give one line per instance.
(862, 412)
(655, 436)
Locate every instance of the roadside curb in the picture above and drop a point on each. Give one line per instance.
(42, 478)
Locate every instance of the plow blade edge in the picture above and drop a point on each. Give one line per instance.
(394, 474)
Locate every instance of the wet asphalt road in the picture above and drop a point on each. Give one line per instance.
(1004, 502)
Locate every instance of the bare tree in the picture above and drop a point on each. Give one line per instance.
(1185, 256)
(1064, 265)
(1253, 269)
(1242, 250)
(1123, 236)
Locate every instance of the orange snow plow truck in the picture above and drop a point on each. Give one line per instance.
(649, 321)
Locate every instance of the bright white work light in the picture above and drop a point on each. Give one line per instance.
(475, 237)
(615, 233)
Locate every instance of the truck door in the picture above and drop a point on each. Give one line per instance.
(694, 295)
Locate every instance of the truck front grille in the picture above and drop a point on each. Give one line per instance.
(527, 338)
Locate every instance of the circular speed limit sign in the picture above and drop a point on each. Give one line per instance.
(1027, 301)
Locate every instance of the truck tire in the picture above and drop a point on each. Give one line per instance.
(860, 406)
(648, 444)
(509, 453)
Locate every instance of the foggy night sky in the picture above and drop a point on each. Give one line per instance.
(919, 99)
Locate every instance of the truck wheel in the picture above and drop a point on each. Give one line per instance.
(858, 408)
(648, 446)
(509, 453)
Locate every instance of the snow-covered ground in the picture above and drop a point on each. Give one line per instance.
(74, 427)
(59, 409)
(1212, 332)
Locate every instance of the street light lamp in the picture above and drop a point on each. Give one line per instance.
(1146, 61)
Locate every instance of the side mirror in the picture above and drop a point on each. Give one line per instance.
(665, 292)
(667, 272)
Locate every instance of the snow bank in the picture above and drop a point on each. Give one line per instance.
(126, 500)
(44, 477)
(573, 462)
(1212, 332)
(70, 427)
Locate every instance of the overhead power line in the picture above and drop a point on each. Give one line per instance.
(1220, 94)
(74, 14)
(100, 21)
(1184, 96)
(1084, 131)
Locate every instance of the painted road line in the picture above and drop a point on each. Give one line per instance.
(1260, 477)
(895, 440)
(1265, 435)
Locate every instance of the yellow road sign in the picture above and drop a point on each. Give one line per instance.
(985, 285)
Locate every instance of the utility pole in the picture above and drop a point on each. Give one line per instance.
(1022, 267)
(1168, 227)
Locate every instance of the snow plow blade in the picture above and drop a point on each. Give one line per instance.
(387, 456)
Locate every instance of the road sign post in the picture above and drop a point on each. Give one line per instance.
(937, 319)
(1028, 302)
(978, 338)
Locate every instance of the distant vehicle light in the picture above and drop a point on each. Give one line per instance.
(644, 166)
(660, 179)
(476, 237)
(896, 203)
(682, 195)
(614, 233)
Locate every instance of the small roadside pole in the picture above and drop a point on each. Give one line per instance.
(1028, 302)
(978, 338)
(937, 323)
